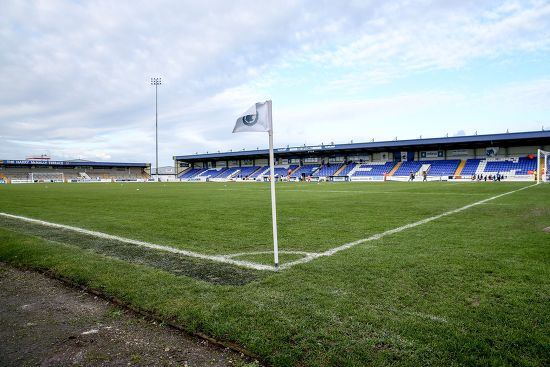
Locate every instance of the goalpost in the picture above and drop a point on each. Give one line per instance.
(543, 160)
(46, 177)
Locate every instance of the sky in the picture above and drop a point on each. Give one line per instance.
(75, 75)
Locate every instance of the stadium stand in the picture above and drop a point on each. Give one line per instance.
(373, 169)
(329, 170)
(247, 171)
(433, 167)
(511, 166)
(219, 172)
(514, 166)
(282, 171)
(262, 171)
(347, 169)
(292, 168)
(442, 168)
(30, 171)
(227, 173)
(207, 173)
(305, 170)
(407, 167)
(439, 158)
(470, 168)
(279, 172)
(189, 173)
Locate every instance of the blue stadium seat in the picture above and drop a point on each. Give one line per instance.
(470, 167)
(514, 167)
(328, 170)
(305, 170)
(373, 169)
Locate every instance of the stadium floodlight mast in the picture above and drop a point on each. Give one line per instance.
(156, 82)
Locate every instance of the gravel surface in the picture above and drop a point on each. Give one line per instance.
(45, 322)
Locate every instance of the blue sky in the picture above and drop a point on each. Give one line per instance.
(76, 75)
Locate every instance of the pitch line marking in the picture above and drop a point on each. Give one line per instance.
(218, 258)
(228, 259)
(395, 230)
(230, 256)
(364, 192)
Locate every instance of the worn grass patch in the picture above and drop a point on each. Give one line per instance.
(177, 264)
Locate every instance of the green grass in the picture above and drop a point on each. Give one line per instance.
(472, 288)
(267, 258)
(231, 218)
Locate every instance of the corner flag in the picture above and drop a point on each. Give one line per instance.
(259, 118)
(256, 118)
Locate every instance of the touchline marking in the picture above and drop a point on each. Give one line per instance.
(382, 192)
(395, 230)
(229, 259)
(360, 192)
(231, 256)
(218, 258)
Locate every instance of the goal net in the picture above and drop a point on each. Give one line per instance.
(46, 177)
(543, 160)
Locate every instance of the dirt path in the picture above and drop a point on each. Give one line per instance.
(44, 322)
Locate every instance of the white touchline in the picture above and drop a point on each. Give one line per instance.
(229, 259)
(360, 192)
(218, 258)
(395, 230)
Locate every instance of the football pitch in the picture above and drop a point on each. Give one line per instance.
(371, 273)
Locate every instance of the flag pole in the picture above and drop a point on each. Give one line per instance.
(273, 201)
(538, 167)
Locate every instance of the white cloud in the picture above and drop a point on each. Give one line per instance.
(391, 44)
(531, 94)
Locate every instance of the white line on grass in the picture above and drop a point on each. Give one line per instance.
(364, 192)
(228, 259)
(384, 192)
(395, 230)
(218, 258)
(231, 256)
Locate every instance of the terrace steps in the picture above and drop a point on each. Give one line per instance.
(395, 168)
(424, 168)
(460, 167)
(294, 170)
(252, 174)
(337, 173)
(481, 167)
(264, 171)
(354, 169)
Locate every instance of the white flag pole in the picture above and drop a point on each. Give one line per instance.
(273, 201)
(538, 167)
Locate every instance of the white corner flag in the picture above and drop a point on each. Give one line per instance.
(259, 118)
(256, 118)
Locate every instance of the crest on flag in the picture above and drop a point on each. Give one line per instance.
(250, 120)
